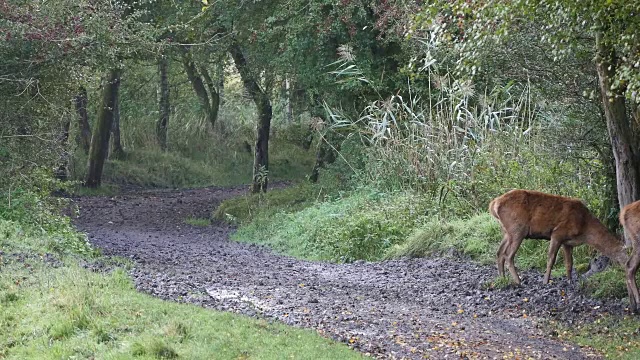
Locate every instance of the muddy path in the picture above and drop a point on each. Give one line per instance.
(409, 308)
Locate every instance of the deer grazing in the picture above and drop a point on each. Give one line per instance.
(630, 220)
(565, 221)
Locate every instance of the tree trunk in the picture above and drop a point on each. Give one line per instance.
(308, 138)
(102, 130)
(61, 172)
(163, 100)
(84, 130)
(210, 106)
(321, 154)
(214, 97)
(117, 152)
(287, 99)
(621, 133)
(221, 81)
(260, 98)
(324, 155)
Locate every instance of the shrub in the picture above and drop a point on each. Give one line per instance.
(363, 226)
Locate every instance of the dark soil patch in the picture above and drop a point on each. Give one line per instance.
(410, 308)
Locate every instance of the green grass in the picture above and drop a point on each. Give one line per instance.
(70, 312)
(28, 239)
(478, 237)
(198, 221)
(616, 337)
(361, 226)
(104, 190)
(500, 282)
(609, 284)
(151, 168)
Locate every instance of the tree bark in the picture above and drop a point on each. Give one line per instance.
(84, 130)
(117, 152)
(163, 100)
(321, 155)
(209, 104)
(102, 130)
(261, 99)
(324, 155)
(61, 172)
(308, 138)
(288, 106)
(214, 97)
(221, 81)
(621, 133)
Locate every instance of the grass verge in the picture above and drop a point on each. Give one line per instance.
(616, 337)
(243, 209)
(363, 225)
(52, 308)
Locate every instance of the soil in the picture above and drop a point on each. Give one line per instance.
(408, 308)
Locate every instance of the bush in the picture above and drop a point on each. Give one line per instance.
(477, 237)
(363, 226)
(30, 219)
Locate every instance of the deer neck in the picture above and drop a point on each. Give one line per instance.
(602, 240)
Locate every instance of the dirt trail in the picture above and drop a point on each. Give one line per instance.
(410, 308)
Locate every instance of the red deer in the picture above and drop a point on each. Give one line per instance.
(565, 221)
(630, 220)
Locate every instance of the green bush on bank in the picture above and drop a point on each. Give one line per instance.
(608, 284)
(363, 225)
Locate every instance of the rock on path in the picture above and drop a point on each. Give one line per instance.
(410, 308)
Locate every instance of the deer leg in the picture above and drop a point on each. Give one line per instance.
(568, 260)
(511, 250)
(551, 259)
(501, 254)
(632, 286)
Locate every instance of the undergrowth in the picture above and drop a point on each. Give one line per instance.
(608, 284)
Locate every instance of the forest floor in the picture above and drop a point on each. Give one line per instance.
(407, 308)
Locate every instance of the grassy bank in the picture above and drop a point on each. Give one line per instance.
(52, 308)
(364, 225)
(304, 221)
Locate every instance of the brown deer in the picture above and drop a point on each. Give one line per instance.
(565, 221)
(630, 220)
